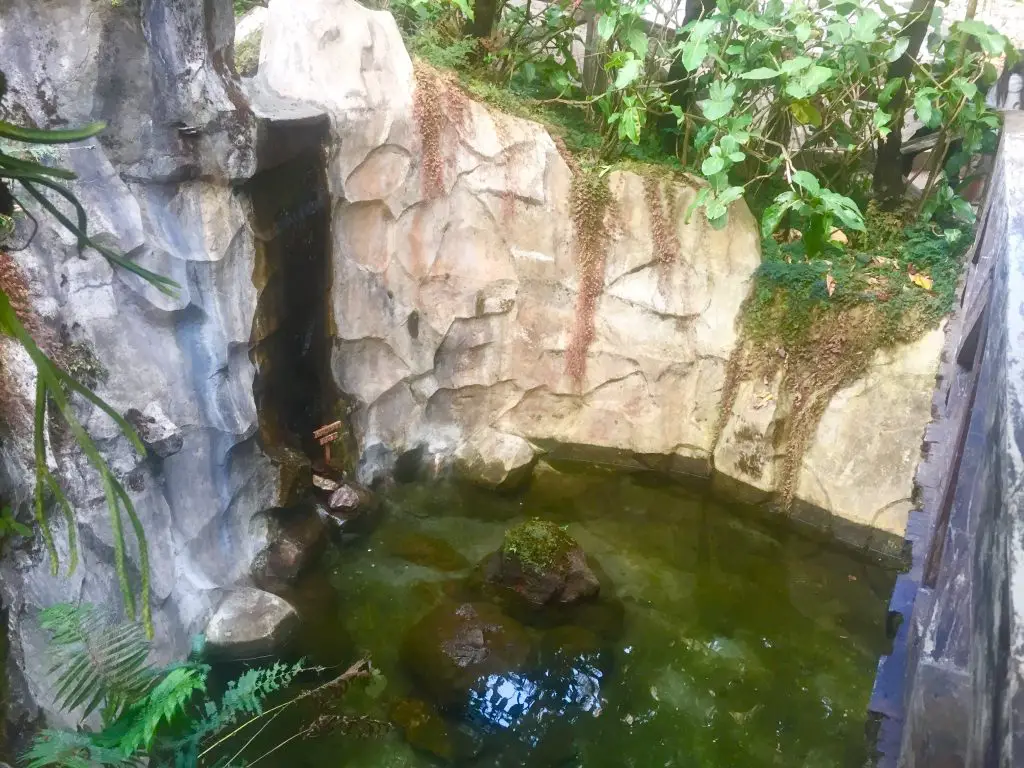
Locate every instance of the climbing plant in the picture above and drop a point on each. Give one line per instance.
(24, 176)
(756, 96)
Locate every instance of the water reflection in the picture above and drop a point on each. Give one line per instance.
(513, 700)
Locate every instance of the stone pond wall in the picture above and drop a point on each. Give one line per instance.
(451, 283)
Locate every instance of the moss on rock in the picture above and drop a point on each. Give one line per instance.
(538, 544)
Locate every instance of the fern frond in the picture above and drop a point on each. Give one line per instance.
(97, 662)
(70, 749)
(136, 729)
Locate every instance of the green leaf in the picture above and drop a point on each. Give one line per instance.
(815, 77)
(992, 42)
(761, 73)
(962, 209)
(843, 207)
(715, 109)
(629, 72)
(889, 91)
(38, 136)
(967, 88)
(699, 199)
(737, 157)
(880, 119)
(771, 217)
(465, 8)
(694, 53)
(898, 49)
(802, 32)
(923, 108)
(606, 26)
(797, 64)
(806, 113)
(864, 29)
(730, 195)
(806, 180)
(27, 166)
(637, 41)
(629, 125)
(712, 165)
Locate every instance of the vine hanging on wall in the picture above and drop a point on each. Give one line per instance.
(589, 199)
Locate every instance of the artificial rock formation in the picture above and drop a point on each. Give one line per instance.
(455, 268)
(465, 294)
(482, 301)
(162, 184)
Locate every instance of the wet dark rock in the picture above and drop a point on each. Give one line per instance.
(427, 731)
(354, 508)
(542, 564)
(456, 645)
(297, 538)
(428, 551)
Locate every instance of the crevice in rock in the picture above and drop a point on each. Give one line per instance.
(293, 322)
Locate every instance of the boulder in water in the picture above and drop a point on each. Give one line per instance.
(494, 459)
(427, 551)
(543, 564)
(354, 508)
(297, 538)
(456, 645)
(250, 622)
(426, 730)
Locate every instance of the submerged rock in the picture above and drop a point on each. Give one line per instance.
(495, 459)
(250, 622)
(543, 564)
(428, 551)
(426, 730)
(297, 537)
(456, 646)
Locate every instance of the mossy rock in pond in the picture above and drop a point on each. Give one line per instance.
(543, 564)
(455, 645)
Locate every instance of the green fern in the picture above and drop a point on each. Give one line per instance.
(137, 728)
(98, 663)
(71, 749)
(163, 715)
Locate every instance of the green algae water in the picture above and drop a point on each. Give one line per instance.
(733, 643)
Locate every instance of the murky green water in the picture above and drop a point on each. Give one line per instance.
(721, 641)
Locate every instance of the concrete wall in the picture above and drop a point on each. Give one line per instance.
(951, 692)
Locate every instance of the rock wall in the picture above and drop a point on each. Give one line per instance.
(457, 288)
(485, 308)
(160, 184)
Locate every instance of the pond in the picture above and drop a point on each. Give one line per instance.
(720, 638)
